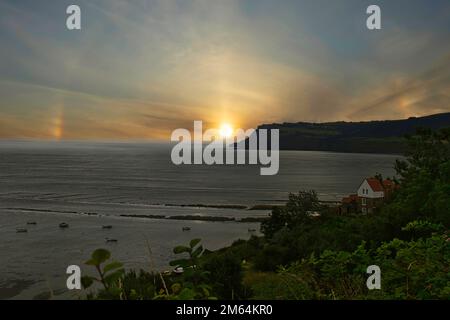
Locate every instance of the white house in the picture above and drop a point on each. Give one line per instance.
(371, 188)
(371, 193)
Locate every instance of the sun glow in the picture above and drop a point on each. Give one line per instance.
(226, 130)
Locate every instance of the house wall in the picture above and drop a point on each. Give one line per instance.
(370, 194)
(349, 208)
(370, 204)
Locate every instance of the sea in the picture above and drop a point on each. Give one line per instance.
(89, 185)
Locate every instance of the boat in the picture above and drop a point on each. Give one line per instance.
(63, 225)
(251, 230)
(107, 227)
(186, 228)
(110, 240)
(31, 223)
(21, 230)
(178, 270)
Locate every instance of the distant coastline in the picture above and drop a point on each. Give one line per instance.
(380, 137)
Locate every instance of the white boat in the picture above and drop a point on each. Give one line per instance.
(178, 270)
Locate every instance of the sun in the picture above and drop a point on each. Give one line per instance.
(226, 130)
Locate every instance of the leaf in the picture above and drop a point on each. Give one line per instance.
(98, 257)
(115, 292)
(186, 294)
(205, 291)
(90, 262)
(181, 249)
(113, 277)
(176, 287)
(113, 265)
(86, 281)
(197, 252)
(188, 272)
(194, 242)
(179, 262)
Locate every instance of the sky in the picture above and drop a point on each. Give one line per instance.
(140, 69)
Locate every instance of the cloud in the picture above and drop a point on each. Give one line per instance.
(141, 69)
(416, 95)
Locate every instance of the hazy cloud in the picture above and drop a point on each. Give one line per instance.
(141, 69)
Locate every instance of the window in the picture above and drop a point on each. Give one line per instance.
(363, 201)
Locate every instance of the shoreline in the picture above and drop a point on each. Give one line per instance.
(194, 217)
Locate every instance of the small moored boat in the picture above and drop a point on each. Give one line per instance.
(21, 230)
(107, 227)
(186, 228)
(63, 225)
(110, 240)
(178, 270)
(31, 223)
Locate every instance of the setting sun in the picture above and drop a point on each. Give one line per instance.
(226, 130)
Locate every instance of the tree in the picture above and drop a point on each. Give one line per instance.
(425, 177)
(225, 275)
(298, 210)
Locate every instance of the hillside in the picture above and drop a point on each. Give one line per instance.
(365, 137)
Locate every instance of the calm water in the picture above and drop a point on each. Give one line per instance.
(54, 182)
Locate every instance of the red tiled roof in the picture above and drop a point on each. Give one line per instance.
(375, 184)
(378, 186)
(389, 184)
(350, 198)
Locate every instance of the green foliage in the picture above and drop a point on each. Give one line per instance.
(425, 177)
(276, 286)
(226, 275)
(98, 257)
(192, 283)
(140, 286)
(194, 250)
(421, 228)
(410, 270)
(272, 256)
(109, 276)
(298, 210)
(118, 284)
